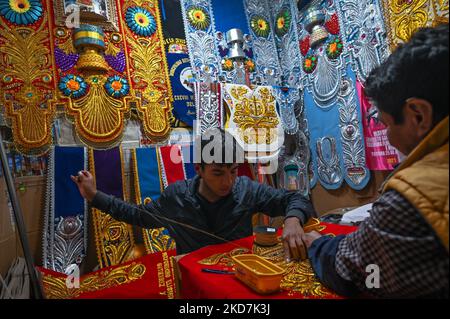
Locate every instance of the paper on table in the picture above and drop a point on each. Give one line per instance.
(357, 215)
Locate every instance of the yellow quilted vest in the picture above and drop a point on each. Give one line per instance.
(423, 179)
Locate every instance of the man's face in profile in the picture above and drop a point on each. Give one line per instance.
(417, 122)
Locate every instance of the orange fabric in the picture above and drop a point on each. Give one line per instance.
(199, 285)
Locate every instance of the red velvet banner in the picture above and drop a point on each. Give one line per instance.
(152, 277)
(149, 277)
(197, 284)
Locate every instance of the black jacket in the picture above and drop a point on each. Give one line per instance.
(233, 219)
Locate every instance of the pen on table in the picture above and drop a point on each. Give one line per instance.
(217, 271)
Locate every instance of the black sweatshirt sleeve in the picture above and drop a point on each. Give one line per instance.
(145, 216)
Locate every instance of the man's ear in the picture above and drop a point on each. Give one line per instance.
(420, 113)
(198, 168)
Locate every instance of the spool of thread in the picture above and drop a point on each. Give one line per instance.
(265, 236)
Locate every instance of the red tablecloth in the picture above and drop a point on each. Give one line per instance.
(200, 285)
(149, 277)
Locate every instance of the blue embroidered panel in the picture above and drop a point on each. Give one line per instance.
(68, 161)
(65, 222)
(328, 60)
(338, 151)
(148, 172)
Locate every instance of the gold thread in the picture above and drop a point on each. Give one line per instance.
(402, 19)
(223, 259)
(299, 277)
(28, 59)
(99, 118)
(255, 117)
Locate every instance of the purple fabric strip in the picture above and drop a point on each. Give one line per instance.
(108, 172)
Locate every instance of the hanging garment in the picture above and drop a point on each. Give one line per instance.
(254, 121)
(330, 96)
(28, 72)
(209, 106)
(363, 34)
(147, 64)
(287, 41)
(338, 151)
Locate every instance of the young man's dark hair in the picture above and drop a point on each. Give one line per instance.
(402, 249)
(413, 71)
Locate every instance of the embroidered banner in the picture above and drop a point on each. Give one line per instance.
(148, 68)
(287, 41)
(181, 78)
(93, 75)
(254, 121)
(263, 44)
(180, 71)
(200, 36)
(114, 240)
(286, 100)
(322, 57)
(206, 24)
(149, 277)
(330, 94)
(66, 222)
(338, 150)
(208, 99)
(99, 116)
(363, 34)
(403, 18)
(27, 83)
(148, 186)
(380, 155)
(172, 25)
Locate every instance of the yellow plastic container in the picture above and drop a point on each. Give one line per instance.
(258, 273)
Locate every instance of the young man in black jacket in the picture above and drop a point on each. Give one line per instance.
(215, 202)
